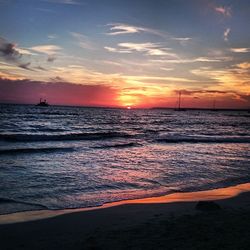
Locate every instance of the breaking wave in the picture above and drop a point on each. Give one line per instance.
(34, 150)
(63, 137)
(203, 139)
(119, 145)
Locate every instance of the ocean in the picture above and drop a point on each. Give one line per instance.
(71, 157)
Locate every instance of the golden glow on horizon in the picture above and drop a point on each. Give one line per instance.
(150, 90)
(128, 100)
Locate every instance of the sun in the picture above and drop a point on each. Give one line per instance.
(128, 107)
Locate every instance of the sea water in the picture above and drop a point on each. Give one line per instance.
(70, 157)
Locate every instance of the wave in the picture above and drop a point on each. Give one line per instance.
(34, 150)
(119, 145)
(63, 137)
(9, 200)
(203, 139)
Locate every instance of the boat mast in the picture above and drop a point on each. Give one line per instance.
(179, 100)
(214, 104)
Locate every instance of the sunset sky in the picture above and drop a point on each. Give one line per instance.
(137, 53)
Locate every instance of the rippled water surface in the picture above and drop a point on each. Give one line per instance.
(66, 157)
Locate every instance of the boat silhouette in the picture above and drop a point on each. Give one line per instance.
(179, 104)
(214, 109)
(43, 103)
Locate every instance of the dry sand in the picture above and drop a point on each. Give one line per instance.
(171, 223)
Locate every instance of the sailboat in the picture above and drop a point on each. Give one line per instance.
(43, 103)
(179, 104)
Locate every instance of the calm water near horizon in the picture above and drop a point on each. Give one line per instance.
(70, 157)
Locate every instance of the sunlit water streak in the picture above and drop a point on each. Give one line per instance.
(68, 157)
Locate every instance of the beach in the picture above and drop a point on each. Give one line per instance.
(159, 223)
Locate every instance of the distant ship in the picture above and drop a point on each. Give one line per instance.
(179, 104)
(43, 103)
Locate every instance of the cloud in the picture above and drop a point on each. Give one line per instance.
(25, 66)
(191, 92)
(79, 74)
(52, 36)
(181, 39)
(46, 49)
(203, 59)
(41, 68)
(167, 69)
(11, 53)
(83, 41)
(24, 51)
(226, 34)
(234, 95)
(199, 91)
(140, 47)
(8, 50)
(121, 29)
(111, 63)
(145, 78)
(244, 65)
(233, 79)
(51, 58)
(111, 49)
(223, 10)
(57, 79)
(240, 50)
(152, 49)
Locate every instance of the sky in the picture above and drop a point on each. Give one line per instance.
(136, 53)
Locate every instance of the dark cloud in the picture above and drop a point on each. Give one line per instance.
(232, 94)
(51, 58)
(193, 92)
(25, 66)
(41, 68)
(8, 50)
(135, 88)
(28, 91)
(57, 79)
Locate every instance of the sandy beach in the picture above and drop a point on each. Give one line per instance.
(167, 222)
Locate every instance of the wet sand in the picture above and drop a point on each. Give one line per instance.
(167, 222)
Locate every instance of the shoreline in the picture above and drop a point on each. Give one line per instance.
(153, 223)
(186, 197)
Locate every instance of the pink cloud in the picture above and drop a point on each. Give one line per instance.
(225, 11)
